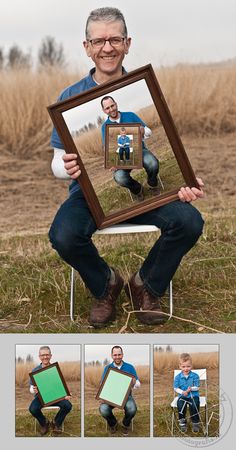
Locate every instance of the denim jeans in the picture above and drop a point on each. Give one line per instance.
(35, 409)
(71, 235)
(150, 164)
(124, 151)
(130, 410)
(193, 403)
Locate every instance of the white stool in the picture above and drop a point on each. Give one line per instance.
(119, 229)
(47, 408)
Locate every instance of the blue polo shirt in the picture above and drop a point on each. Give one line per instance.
(183, 382)
(126, 367)
(125, 117)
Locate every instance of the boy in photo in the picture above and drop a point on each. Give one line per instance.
(186, 385)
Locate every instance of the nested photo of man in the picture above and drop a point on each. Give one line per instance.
(186, 390)
(47, 372)
(104, 415)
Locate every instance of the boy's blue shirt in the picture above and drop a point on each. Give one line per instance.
(183, 383)
(124, 140)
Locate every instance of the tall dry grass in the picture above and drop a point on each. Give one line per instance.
(202, 100)
(164, 362)
(93, 374)
(25, 126)
(70, 371)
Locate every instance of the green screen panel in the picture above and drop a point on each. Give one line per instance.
(115, 387)
(50, 385)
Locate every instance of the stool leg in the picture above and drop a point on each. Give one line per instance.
(72, 293)
(171, 299)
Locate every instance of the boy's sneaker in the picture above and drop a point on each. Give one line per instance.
(183, 425)
(196, 427)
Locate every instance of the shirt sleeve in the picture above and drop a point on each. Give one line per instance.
(176, 382)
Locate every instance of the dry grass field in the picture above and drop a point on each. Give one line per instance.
(164, 365)
(23, 398)
(34, 287)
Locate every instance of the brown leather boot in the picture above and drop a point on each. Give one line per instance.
(104, 310)
(144, 300)
(45, 428)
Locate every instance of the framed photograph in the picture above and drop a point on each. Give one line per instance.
(80, 122)
(123, 146)
(50, 383)
(115, 387)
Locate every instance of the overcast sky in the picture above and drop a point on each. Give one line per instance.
(133, 354)
(59, 352)
(190, 348)
(163, 32)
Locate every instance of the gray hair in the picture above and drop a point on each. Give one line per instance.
(44, 347)
(106, 14)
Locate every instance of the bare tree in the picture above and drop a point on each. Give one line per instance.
(50, 53)
(17, 59)
(1, 58)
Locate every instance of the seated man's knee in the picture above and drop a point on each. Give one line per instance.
(104, 409)
(131, 407)
(67, 406)
(120, 177)
(33, 409)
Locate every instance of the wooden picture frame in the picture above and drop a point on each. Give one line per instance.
(50, 383)
(115, 387)
(105, 214)
(112, 144)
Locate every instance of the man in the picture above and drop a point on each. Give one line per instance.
(35, 407)
(150, 162)
(130, 407)
(181, 224)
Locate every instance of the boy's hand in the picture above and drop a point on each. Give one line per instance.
(187, 194)
(185, 393)
(71, 165)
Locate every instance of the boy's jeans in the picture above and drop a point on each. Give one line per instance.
(193, 403)
(35, 409)
(130, 411)
(70, 234)
(150, 164)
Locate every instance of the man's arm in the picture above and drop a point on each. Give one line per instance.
(57, 164)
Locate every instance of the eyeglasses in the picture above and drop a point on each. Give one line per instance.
(113, 41)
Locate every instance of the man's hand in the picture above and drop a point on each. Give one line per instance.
(71, 165)
(68, 397)
(187, 194)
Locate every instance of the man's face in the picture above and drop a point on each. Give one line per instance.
(110, 108)
(45, 357)
(107, 59)
(185, 367)
(117, 356)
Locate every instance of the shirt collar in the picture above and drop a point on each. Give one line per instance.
(92, 72)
